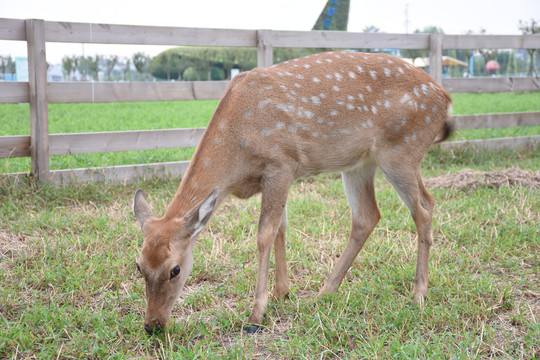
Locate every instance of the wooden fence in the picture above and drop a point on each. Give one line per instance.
(39, 93)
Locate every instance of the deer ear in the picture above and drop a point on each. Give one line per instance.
(141, 209)
(197, 217)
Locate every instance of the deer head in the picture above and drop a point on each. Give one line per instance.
(166, 258)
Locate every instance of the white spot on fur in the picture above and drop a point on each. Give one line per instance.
(300, 77)
(387, 72)
(352, 75)
(316, 79)
(428, 119)
(315, 100)
(336, 88)
(405, 98)
(333, 113)
(373, 109)
(416, 91)
(338, 76)
(303, 99)
(373, 74)
(368, 88)
(297, 85)
(350, 97)
(340, 102)
(328, 76)
(359, 68)
(280, 126)
(285, 107)
(361, 96)
(265, 132)
(387, 104)
(263, 103)
(249, 113)
(307, 66)
(350, 106)
(424, 89)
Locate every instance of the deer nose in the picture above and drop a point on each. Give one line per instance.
(156, 329)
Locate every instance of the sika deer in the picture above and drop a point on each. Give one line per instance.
(336, 111)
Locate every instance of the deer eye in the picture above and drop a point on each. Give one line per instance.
(175, 271)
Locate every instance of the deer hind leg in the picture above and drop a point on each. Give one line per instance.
(410, 187)
(274, 199)
(282, 279)
(360, 191)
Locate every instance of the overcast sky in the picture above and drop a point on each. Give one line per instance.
(453, 16)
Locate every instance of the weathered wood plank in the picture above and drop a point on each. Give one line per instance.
(435, 56)
(347, 40)
(471, 42)
(120, 174)
(14, 146)
(37, 93)
(13, 92)
(265, 49)
(520, 142)
(63, 144)
(486, 121)
(63, 92)
(491, 84)
(146, 35)
(12, 29)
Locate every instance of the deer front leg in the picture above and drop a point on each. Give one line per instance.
(282, 279)
(272, 211)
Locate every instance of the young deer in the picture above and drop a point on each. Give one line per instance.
(335, 111)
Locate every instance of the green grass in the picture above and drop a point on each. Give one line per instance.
(77, 118)
(69, 287)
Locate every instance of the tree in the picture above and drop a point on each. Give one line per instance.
(110, 63)
(12, 67)
(68, 66)
(141, 62)
(4, 65)
(530, 29)
(81, 64)
(93, 66)
(126, 68)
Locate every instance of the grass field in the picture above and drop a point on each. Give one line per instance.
(78, 118)
(69, 288)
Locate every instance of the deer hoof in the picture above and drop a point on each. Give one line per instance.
(252, 329)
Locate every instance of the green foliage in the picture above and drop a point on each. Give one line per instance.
(190, 74)
(173, 62)
(217, 74)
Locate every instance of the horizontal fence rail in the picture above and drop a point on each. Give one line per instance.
(85, 143)
(40, 144)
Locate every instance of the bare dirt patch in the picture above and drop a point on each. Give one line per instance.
(472, 179)
(10, 245)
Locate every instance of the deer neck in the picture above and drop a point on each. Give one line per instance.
(204, 174)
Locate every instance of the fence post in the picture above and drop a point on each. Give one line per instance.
(435, 57)
(37, 89)
(265, 49)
